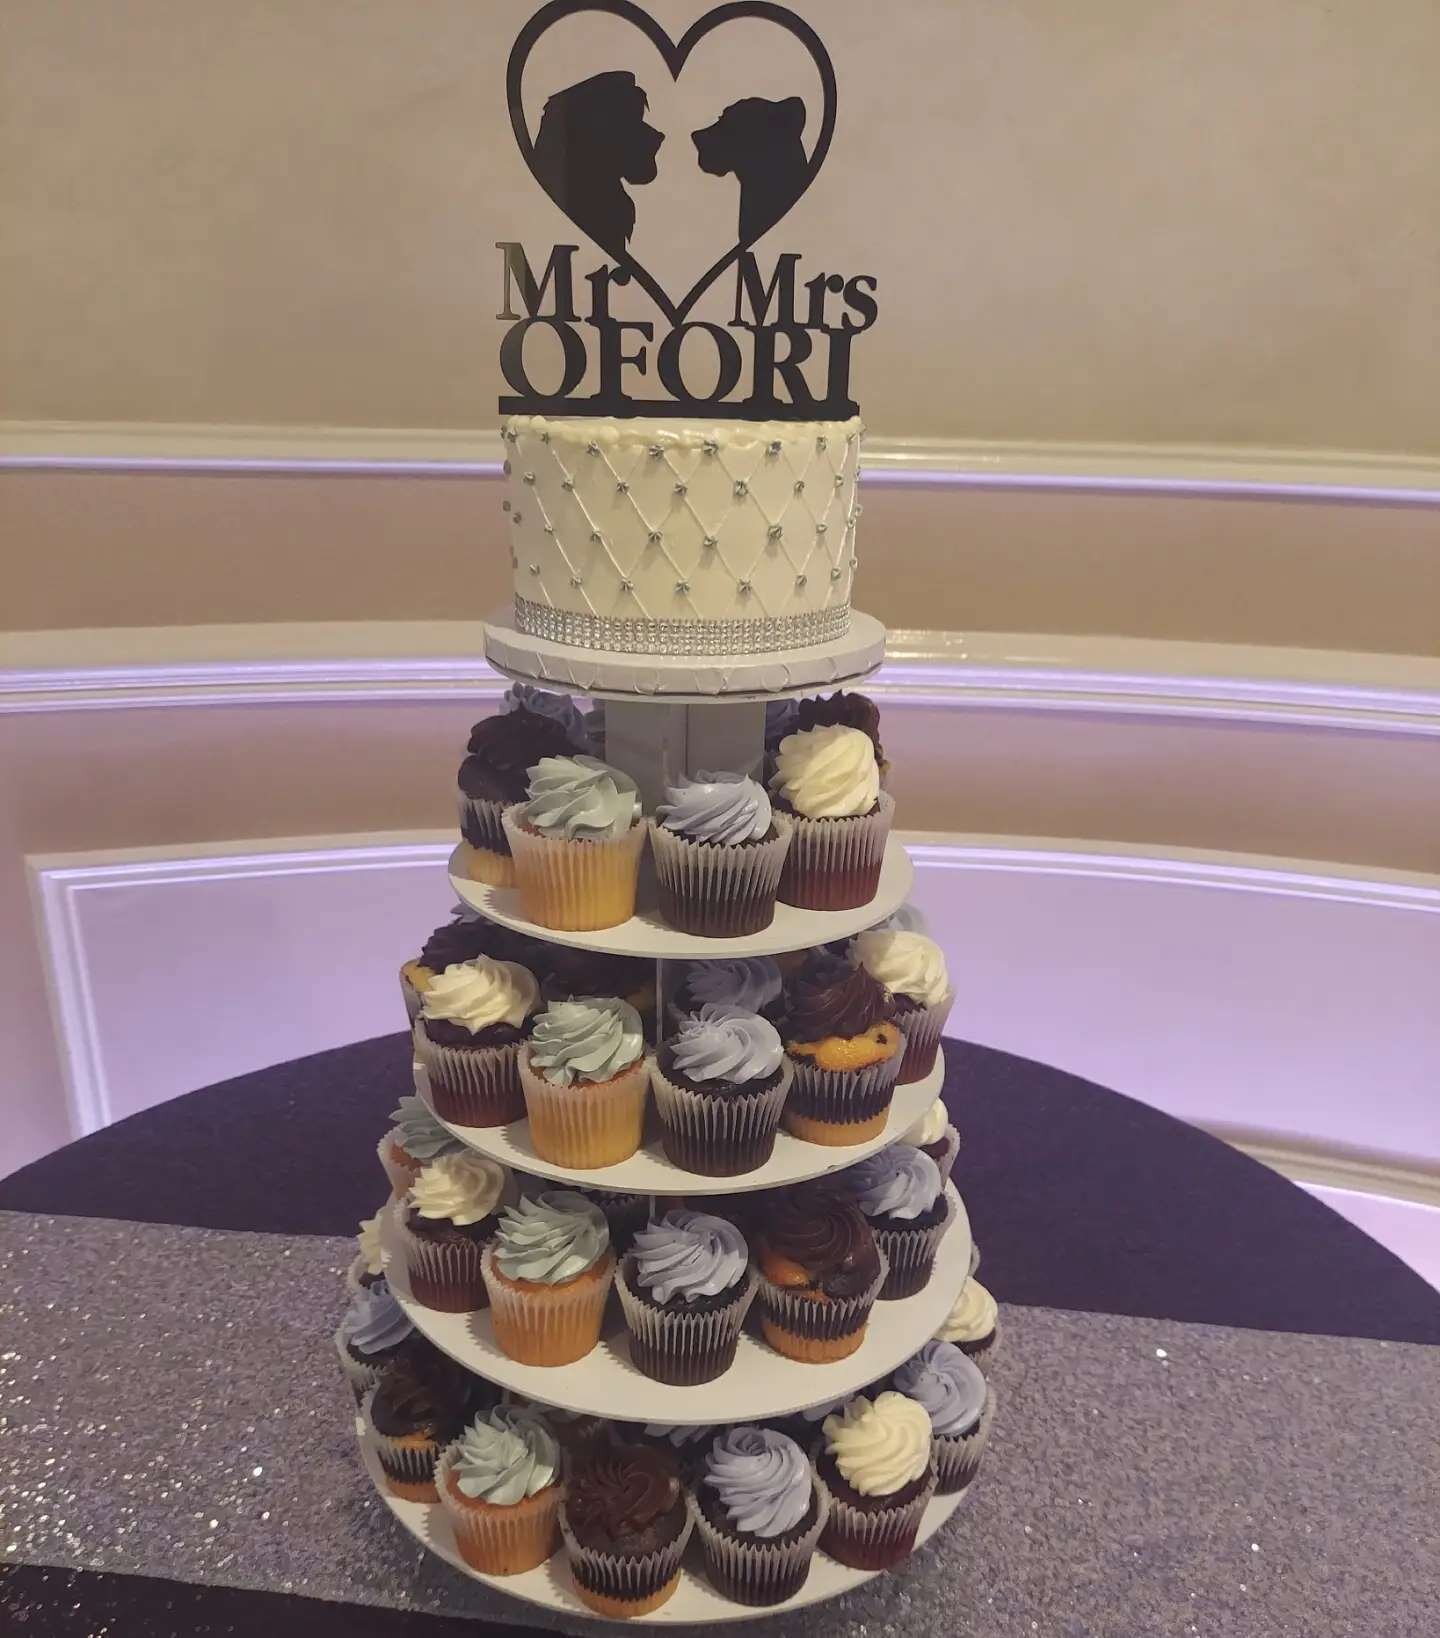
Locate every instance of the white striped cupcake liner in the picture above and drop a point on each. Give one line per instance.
(676, 1347)
(408, 1465)
(958, 1455)
(719, 1134)
(716, 891)
(811, 1318)
(868, 1540)
(834, 864)
(555, 1326)
(754, 1571)
(471, 1085)
(444, 1275)
(624, 1577)
(841, 1097)
(922, 1029)
(911, 1255)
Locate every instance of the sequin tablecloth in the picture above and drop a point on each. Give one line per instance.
(1217, 1398)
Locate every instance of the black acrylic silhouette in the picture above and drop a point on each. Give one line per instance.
(758, 143)
(593, 138)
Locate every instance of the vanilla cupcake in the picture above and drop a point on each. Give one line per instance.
(548, 1275)
(953, 1390)
(912, 968)
(903, 1198)
(826, 780)
(718, 850)
(473, 1018)
(367, 1267)
(446, 1220)
(412, 1143)
(876, 1465)
(576, 842)
(973, 1324)
(585, 1077)
(936, 1136)
(499, 1484)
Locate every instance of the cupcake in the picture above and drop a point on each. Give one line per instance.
(718, 853)
(374, 1332)
(492, 778)
(417, 1408)
(912, 968)
(367, 1268)
(827, 782)
(973, 1324)
(903, 1197)
(759, 1514)
(412, 1142)
(584, 975)
(952, 1389)
(447, 1218)
(463, 938)
(581, 1437)
(577, 842)
(685, 1288)
(845, 1053)
(820, 1273)
(625, 1526)
(548, 1274)
(844, 710)
(685, 1442)
(559, 710)
(720, 1083)
(876, 1463)
(936, 1136)
(585, 1076)
(499, 1484)
(625, 1214)
(473, 1018)
(752, 983)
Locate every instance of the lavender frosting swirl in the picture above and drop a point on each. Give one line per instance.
(689, 1254)
(749, 982)
(726, 808)
(540, 702)
(374, 1320)
(762, 1480)
(727, 1044)
(947, 1383)
(901, 1181)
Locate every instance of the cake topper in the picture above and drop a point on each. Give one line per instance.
(785, 352)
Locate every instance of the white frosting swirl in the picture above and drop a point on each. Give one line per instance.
(973, 1317)
(463, 1187)
(880, 1446)
(827, 773)
(480, 993)
(905, 963)
(930, 1128)
(368, 1242)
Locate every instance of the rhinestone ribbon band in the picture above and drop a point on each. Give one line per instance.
(764, 636)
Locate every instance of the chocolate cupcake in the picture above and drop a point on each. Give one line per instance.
(446, 1220)
(414, 1411)
(934, 1134)
(845, 1052)
(903, 1197)
(625, 1526)
(374, 1333)
(844, 710)
(586, 1078)
(752, 983)
(973, 1324)
(412, 1143)
(827, 781)
(473, 1018)
(720, 1084)
(685, 1443)
(685, 1289)
(463, 938)
(367, 1268)
(718, 849)
(876, 1463)
(961, 1406)
(584, 975)
(759, 1515)
(500, 1486)
(912, 968)
(820, 1273)
(493, 776)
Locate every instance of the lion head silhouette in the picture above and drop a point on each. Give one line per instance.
(593, 138)
(758, 142)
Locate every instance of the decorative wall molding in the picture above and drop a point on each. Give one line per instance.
(1142, 468)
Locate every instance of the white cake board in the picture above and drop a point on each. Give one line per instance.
(685, 679)
(651, 1172)
(649, 935)
(694, 1599)
(760, 1385)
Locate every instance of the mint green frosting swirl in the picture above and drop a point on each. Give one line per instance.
(581, 799)
(422, 1137)
(506, 1456)
(586, 1040)
(551, 1237)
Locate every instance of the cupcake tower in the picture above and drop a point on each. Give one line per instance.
(670, 1314)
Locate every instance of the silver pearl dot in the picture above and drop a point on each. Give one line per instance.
(774, 532)
(744, 588)
(567, 484)
(799, 486)
(505, 506)
(576, 581)
(836, 573)
(505, 467)
(534, 568)
(710, 543)
(544, 437)
(682, 586)
(822, 528)
(741, 488)
(515, 517)
(839, 480)
(710, 447)
(592, 449)
(627, 585)
(654, 537)
(528, 477)
(622, 488)
(854, 562)
(656, 452)
(682, 488)
(596, 538)
(800, 582)
(773, 449)
(822, 443)
(549, 528)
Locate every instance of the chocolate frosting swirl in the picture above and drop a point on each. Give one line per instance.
(429, 1391)
(845, 711)
(460, 941)
(827, 1236)
(622, 1494)
(830, 997)
(503, 749)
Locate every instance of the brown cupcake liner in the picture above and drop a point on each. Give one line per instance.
(679, 1348)
(958, 1455)
(444, 1275)
(407, 1465)
(922, 1028)
(495, 1539)
(400, 1168)
(911, 1255)
(718, 891)
(834, 864)
(548, 1324)
(625, 1584)
(719, 1134)
(813, 1329)
(751, 1570)
(585, 1125)
(873, 1540)
(471, 1085)
(840, 1106)
(575, 886)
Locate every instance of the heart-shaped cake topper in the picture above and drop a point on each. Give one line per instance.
(593, 137)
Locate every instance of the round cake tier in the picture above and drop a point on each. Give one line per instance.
(685, 679)
(761, 1383)
(651, 937)
(650, 1171)
(552, 1586)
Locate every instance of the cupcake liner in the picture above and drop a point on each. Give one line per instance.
(974, 1257)
(958, 1455)
(873, 1541)
(360, 1376)
(444, 1275)
(399, 1167)
(815, 1330)
(410, 996)
(586, 1125)
(408, 1467)
(483, 864)
(548, 1324)
(482, 823)
(471, 1085)
(840, 1106)
(676, 1347)
(494, 1539)
(751, 1570)
(921, 1029)
(718, 891)
(834, 864)
(949, 1148)
(911, 1255)
(984, 1352)
(719, 1134)
(575, 886)
(622, 1583)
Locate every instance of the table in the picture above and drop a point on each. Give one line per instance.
(1215, 1394)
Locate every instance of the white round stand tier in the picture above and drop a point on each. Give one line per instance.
(689, 679)
(553, 1587)
(647, 934)
(652, 1172)
(760, 1384)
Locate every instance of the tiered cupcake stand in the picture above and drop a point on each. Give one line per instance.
(662, 719)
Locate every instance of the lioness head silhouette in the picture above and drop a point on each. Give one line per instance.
(758, 142)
